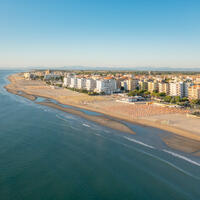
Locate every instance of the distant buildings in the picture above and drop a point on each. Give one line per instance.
(51, 76)
(171, 85)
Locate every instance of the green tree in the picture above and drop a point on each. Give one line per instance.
(184, 99)
(162, 94)
(167, 98)
(177, 99)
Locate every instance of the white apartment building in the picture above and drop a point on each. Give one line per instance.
(106, 85)
(73, 83)
(90, 84)
(29, 75)
(67, 80)
(81, 83)
(177, 89)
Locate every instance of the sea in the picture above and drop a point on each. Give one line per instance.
(46, 154)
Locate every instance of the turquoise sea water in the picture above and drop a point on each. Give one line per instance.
(46, 154)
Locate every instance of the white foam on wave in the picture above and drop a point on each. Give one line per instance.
(60, 117)
(182, 157)
(139, 142)
(86, 125)
(97, 134)
(160, 159)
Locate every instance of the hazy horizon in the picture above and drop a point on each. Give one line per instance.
(100, 34)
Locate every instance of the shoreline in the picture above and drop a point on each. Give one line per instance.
(113, 121)
(101, 120)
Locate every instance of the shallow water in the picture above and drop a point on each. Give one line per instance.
(48, 154)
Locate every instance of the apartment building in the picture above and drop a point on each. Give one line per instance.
(152, 86)
(194, 92)
(73, 83)
(90, 84)
(164, 87)
(124, 84)
(186, 85)
(132, 84)
(81, 83)
(177, 89)
(107, 85)
(143, 85)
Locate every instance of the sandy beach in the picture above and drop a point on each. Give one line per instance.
(102, 120)
(186, 130)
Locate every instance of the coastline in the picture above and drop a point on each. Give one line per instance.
(112, 120)
(102, 120)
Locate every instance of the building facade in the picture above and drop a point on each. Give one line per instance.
(194, 92)
(90, 84)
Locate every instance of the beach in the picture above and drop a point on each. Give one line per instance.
(186, 130)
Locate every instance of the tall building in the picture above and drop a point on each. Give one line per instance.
(73, 83)
(143, 85)
(194, 92)
(177, 89)
(107, 85)
(67, 80)
(163, 87)
(152, 86)
(132, 84)
(81, 83)
(124, 84)
(90, 84)
(186, 85)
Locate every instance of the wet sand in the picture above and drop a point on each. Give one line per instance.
(102, 120)
(182, 144)
(22, 94)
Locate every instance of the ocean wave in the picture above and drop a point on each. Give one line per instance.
(62, 118)
(182, 157)
(139, 142)
(158, 158)
(86, 125)
(97, 134)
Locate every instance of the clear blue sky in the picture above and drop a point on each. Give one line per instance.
(160, 33)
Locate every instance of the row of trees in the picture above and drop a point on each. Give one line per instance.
(84, 91)
(143, 93)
